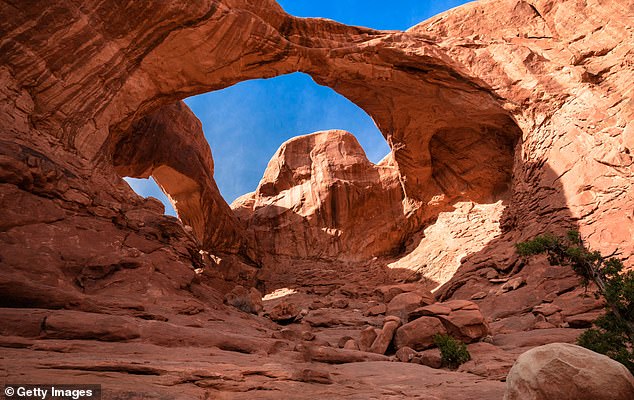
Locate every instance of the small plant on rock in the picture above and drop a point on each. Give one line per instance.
(453, 352)
(614, 332)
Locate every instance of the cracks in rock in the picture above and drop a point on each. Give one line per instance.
(428, 72)
(536, 11)
(43, 326)
(619, 169)
(94, 273)
(123, 368)
(25, 224)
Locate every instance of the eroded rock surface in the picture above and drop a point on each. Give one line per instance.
(320, 197)
(566, 371)
(522, 127)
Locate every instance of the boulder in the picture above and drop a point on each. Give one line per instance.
(366, 338)
(405, 354)
(418, 334)
(351, 345)
(401, 305)
(384, 338)
(466, 325)
(461, 318)
(430, 358)
(429, 311)
(565, 371)
(388, 292)
(342, 342)
(246, 300)
(284, 312)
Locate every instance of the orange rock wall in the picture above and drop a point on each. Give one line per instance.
(517, 100)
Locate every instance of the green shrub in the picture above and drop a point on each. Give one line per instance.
(613, 334)
(452, 352)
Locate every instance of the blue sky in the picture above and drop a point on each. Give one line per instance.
(246, 123)
(377, 14)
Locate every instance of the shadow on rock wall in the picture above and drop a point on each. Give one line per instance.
(507, 287)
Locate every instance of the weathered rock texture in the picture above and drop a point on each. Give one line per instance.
(525, 105)
(458, 318)
(169, 145)
(321, 197)
(565, 371)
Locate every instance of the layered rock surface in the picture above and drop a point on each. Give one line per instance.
(321, 198)
(522, 127)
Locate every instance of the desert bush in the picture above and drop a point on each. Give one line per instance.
(453, 352)
(613, 333)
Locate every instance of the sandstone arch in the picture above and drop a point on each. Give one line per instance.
(170, 146)
(76, 77)
(109, 73)
(411, 97)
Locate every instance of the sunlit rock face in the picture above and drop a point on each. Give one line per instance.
(320, 197)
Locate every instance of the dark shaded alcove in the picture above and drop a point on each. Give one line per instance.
(474, 162)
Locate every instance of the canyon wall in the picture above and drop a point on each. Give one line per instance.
(535, 112)
(505, 118)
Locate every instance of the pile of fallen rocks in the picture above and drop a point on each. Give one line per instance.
(409, 328)
(411, 320)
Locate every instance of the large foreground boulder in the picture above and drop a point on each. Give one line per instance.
(564, 371)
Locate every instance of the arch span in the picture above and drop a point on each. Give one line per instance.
(427, 107)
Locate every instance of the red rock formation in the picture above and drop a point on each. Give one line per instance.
(320, 197)
(170, 146)
(523, 104)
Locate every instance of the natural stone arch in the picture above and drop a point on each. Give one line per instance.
(82, 94)
(170, 146)
(410, 96)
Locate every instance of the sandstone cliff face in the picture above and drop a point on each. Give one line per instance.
(514, 115)
(321, 198)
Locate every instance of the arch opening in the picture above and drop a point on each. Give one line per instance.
(371, 13)
(147, 187)
(247, 122)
